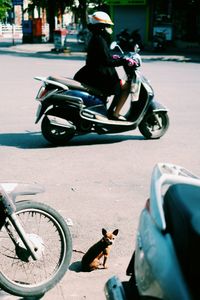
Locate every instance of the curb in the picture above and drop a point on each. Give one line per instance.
(43, 50)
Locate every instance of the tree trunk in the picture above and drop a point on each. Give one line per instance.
(51, 19)
(83, 15)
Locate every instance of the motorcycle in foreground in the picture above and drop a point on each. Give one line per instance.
(166, 262)
(68, 107)
(35, 243)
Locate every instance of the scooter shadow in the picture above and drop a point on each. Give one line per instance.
(23, 140)
(95, 139)
(34, 140)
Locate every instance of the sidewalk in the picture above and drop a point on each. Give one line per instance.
(77, 51)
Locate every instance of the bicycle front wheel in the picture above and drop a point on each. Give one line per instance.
(21, 275)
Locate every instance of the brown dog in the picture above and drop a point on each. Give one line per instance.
(91, 259)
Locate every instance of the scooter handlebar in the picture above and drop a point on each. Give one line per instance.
(131, 62)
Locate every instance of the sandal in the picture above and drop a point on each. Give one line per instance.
(118, 118)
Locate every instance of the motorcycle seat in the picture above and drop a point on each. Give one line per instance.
(182, 214)
(73, 84)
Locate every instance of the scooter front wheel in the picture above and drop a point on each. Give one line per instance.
(21, 275)
(55, 134)
(154, 125)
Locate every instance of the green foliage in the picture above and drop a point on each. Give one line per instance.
(53, 7)
(63, 4)
(5, 5)
(57, 4)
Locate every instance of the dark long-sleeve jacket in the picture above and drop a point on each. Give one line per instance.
(99, 70)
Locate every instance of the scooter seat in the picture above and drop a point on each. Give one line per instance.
(76, 85)
(182, 213)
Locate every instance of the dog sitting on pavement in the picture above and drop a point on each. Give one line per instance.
(91, 259)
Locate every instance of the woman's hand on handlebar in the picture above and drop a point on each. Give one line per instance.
(130, 62)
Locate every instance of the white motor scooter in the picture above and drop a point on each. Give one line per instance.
(166, 261)
(70, 108)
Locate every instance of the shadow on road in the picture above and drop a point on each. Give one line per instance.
(78, 52)
(6, 296)
(41, 50)
(45, 55)
(146, 57)
(34, 140)
(26, 140)
(75, 266)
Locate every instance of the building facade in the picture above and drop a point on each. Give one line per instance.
(179, 19)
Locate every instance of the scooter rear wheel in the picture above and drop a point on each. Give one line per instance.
(154, 125)
(56, 135)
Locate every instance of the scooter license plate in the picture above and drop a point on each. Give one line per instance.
(38, 110)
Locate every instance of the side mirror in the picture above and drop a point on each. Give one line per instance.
(114, 45)
(137, 48)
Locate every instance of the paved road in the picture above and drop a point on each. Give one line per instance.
(97, 181)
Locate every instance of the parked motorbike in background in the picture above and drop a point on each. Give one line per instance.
(159, 41)
(35, 242)
(69, 108)
(127, 41)
(166, 261)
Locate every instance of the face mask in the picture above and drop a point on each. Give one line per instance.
(109, 30)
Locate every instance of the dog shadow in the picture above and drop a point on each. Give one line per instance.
(76, 267)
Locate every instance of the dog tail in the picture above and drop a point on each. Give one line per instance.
(78, 251)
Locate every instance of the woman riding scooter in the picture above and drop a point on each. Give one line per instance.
(99, 71)
(68, 107)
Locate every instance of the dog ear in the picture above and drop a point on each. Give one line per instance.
(115, 232)
(104, 231)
